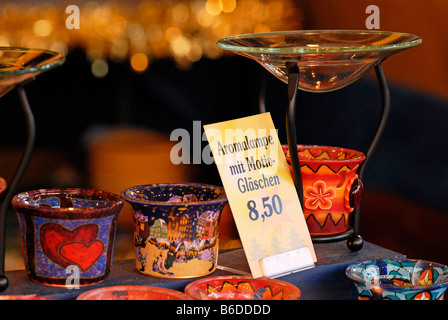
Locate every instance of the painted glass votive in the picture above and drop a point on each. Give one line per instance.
(67, 235)
(331, 188)
(399, 279)
(176, 228)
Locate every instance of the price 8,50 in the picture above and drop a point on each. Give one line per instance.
(270, 205)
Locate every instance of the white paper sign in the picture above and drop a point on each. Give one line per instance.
(261, 195)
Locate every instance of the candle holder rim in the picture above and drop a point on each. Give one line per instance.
(349, 272)
(414, 40)
(113, 200)
(359, 158)
(44, 67)
(221, 197)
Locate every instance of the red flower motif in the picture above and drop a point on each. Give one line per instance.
(319, 196)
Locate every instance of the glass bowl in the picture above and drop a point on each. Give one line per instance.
(328, 59)
(399, 279)
(241, 288)
(19, 64)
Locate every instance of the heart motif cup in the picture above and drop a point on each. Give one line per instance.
(67, 234)
(66, 247)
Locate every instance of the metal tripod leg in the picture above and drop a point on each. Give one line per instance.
(355, 242)
(12, 187)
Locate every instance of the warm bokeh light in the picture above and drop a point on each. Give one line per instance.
(227, 5)
(142, 31)
(139, 62)
(100, 68)
(212, 7)
(42, 28)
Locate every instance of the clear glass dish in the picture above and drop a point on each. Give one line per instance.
(19, 64)
(328, 59)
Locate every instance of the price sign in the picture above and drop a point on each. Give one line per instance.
(261, 195)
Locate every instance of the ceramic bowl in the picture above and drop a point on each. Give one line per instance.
(23, 297)
(133, 293)
(241, 288)
(176, 228)
(399, 279)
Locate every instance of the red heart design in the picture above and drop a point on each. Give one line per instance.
(53, 235)
(81, 254)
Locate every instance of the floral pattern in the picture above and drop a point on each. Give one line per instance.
(319, 196)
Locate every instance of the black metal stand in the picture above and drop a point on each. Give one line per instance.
(354, 240)
(293, 82)
(7, 196)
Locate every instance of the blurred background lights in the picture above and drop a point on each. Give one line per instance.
(142, 30)
(227, 5)
(213, 8)
(42, 28)
(99, 68)
(4, 41)
(139, 62)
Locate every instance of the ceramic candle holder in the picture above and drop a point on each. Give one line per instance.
(399, 279)
(133, 292)
(3, 185)
(241, 288)
(331, 188)
(67, 235)
(23, 297)
(176, 228)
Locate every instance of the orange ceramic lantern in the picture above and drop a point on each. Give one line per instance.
(331, 188)
(3, 185)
